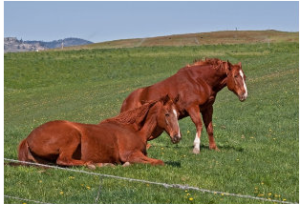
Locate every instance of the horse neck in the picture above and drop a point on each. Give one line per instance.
(149, 125)
(222, 83)
(214, 77)
(134, 118)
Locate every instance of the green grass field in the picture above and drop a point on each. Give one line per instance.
(258, 139)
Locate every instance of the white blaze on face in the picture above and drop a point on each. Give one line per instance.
(176, 115)
(244, 83)
(175, 112)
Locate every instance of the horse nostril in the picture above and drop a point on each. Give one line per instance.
(176, 139)
(243, 98)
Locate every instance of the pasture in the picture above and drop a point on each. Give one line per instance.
(258, 139)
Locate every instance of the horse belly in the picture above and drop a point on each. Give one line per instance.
(100, 152)
(110, 143)
(100, 146)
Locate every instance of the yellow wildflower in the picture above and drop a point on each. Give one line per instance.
(191, 199)
(61, 192)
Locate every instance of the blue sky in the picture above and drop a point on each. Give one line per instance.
(105, 21)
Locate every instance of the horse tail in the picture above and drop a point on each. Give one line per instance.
(23, 151)
(24, 154)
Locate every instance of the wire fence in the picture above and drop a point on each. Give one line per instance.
(24, 199)
(166, 185)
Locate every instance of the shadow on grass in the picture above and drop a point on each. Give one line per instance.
(202, 147)
(222, 147)
(230, 147)
(173, 163)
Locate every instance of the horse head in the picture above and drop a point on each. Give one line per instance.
(167, 117)
(236, 80)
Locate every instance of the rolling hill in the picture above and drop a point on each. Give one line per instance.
(194, 39)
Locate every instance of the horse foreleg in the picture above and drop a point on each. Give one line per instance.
(194, 113)
(207, 118)
(65, 160)
(139, 157)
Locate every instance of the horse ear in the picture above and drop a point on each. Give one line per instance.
(240, 64)
(227, 67)
(176, 99)
(165, 99)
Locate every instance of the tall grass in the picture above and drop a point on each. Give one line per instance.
(258, 139)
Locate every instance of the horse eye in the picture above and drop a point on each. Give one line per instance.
(167, 114)
(236, 76)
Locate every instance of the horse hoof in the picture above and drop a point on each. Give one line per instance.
(196, 151)
(91, 166)
(158, 162)
(214, 148)
(161, 163)
(109, 164)
(126, 164)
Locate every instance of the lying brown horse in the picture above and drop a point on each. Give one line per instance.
(117, 140)
(197, 86)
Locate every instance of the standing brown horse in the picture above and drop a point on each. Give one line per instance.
(116, 140)
(197, 86)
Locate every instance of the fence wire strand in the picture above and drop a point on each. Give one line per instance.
(25, 199)
(166, 185)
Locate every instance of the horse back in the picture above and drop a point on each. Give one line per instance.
(191, 90)
(134, 99)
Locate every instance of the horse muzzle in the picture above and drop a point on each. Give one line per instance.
(242, 99)
(175, 139)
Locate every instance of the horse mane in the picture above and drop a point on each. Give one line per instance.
(214, 62)
(132, 117)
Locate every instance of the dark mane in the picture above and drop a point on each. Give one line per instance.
(214, 62)
(132, 117)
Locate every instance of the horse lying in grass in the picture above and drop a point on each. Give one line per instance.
(117, 140)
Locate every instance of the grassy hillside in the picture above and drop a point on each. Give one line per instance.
(195, 39)
(258, 139)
